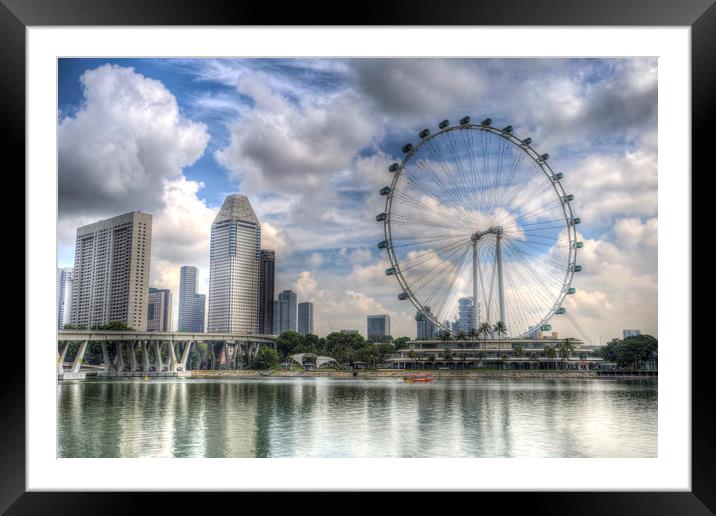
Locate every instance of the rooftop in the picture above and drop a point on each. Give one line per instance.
(237, 207)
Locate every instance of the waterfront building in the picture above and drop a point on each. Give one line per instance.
(631, 333)
(284, 312)
(425, 326)
(159, 310)
(267, 267)
(378, 327)
(234, 268)
(111, 273)
(305, 318)
(64, 296)
(192, 306)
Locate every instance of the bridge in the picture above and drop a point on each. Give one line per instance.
(132, 353)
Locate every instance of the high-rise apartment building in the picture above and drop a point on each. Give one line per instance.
(630, 333)
(465, 315)
(378, 327)
(284, 312)
(425, 326)
(111, 273)
(234, 268)
(64, 296)
(159, 310)
(192, 306)
(305, 318)
(266, 291)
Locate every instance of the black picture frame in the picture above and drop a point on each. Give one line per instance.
(700, 15)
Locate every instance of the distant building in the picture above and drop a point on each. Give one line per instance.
(305, 318)
(284, 312)
(465, 315)
(159, 310)
(350, 332)
(267, 267)
(234, 268)
(533, 332)
(425, 326)
(111, 273)
(631, 333)
(192, 306)
(64, 296)
(378, 327)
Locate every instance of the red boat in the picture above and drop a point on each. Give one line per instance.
(418, 377)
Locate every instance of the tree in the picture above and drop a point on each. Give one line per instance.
(550, 352)
(401, 342)
(266, 358)
(565, 350)
(446, 336)
(481, 357)
(519, 352)
(534, 359)
(472, 334)
(500, 329)
(485, 329)
(630, 352)
(447, 356)
(287, 342)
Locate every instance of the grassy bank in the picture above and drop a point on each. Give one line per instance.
(395, 373)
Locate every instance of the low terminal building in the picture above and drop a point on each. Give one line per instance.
(503, 353)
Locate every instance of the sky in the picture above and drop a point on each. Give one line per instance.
(309, 142)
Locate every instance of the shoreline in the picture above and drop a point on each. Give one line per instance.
(467, 375)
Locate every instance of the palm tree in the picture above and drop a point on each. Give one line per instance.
(519, 352)
(500, 328)
(472, 334)
(446, 336)
(533, 358)
(565, 350)
(485, 329)
(550, 352)
(481, 357)
(447, 356)
(503, 358)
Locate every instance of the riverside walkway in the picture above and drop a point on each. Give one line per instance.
(132, 353)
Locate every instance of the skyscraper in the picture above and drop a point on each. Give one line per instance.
(234, 268)
(630, 333)
(465, 315)
(425, 326)
(266, 291)
(378, 327)
(111, 273)
(64, 296)
(159, 310)
(305, 318)
(192, 306)
(284, 312)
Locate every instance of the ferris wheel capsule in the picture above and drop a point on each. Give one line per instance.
(383, 244)
(424, 133)
(385, 190)
(393, 168)
(578, 245)
(465, 120)
(507, 129)
(561, 311)
(526, 141)
(486, 122)
(402, 296)
(444, 124)
(381, 217)
(407, 148)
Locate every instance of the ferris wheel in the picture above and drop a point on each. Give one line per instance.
(479, 229)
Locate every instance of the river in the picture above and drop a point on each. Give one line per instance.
(353, 417)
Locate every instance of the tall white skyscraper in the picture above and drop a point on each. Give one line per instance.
(65, 280)
(111, 273)
(305, 318)
(234, 268)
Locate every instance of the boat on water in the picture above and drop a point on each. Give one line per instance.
(418, 378)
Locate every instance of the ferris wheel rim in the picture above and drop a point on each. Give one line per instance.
(546, 170)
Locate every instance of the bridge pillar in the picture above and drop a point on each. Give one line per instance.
(158, 359)
(185, 354)
(79, 357)
(133, 366)
(120, 357)
(105, 357)
(145, 357)
(172, 357)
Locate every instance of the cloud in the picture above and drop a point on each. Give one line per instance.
(126, 140)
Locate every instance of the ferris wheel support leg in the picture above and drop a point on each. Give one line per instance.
(500, 284)
(475, 312)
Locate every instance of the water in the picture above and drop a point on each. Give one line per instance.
(332, 417)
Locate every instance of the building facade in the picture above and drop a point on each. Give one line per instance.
(234, 268)
(65, 280)
(285, 309)
(350, 332)
(378, 327)
(111, 273)
(425, 326)
(305, 318)
(159, 310)
(631, 333)
(465, 315)
(192, 306)
(267, 268)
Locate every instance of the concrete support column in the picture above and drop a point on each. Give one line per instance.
(212, 356)
(79, 357)
(120, 357)
(145, 357)
(172, 357)
(133, 365)
(105, 357)
(185, 355)
(64, 351)
(158, 366)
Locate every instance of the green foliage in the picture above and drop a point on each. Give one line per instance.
(631, 352)
(287, 342)
(401, 342)
(266, 358)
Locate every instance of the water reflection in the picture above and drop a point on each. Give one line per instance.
(323, 417)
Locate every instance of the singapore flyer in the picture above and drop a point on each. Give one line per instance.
(477, 223)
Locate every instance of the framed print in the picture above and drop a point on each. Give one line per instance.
(424, 257)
